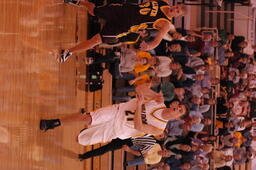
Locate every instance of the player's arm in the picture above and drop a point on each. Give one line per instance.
(138, 124)
(163, 27)
(168, 36)
(149, 94)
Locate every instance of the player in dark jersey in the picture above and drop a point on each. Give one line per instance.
(121, 19)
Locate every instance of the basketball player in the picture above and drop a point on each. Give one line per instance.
(122, 19)
(133, 118)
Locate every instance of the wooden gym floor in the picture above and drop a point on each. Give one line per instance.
(35, 86)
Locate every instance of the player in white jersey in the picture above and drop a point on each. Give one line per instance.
(133, 118)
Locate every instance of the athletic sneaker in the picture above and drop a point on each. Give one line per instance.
(219, 2)
(73, 2)
(49, 124)
(64, 55)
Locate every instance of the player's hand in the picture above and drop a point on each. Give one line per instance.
(144, 46)
(140, 98)
(159, 98)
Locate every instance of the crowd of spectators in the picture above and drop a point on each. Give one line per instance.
(182, 68)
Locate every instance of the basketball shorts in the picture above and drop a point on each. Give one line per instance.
(114, 23)
(109, 123)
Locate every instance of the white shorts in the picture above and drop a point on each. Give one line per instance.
(109, 123)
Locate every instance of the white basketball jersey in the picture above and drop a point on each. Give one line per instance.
(151, 114)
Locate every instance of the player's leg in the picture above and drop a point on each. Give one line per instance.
(69, 120)
(113, 145)
(83, 46)
(110, 29)
(106, 126)
(89, 6)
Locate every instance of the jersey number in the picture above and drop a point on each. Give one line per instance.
(147, 10)
(130, 116)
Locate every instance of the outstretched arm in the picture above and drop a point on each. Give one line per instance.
(163, 26)
(138, 124)
(149, 94)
